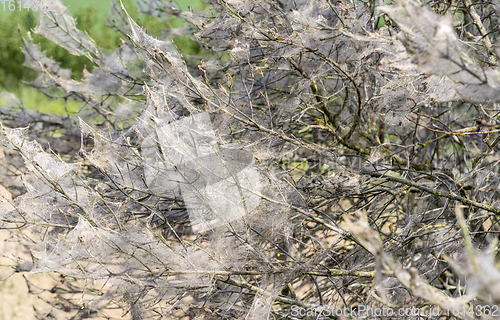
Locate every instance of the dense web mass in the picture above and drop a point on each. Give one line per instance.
(313, 155)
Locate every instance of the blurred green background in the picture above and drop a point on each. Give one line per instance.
(91, 17)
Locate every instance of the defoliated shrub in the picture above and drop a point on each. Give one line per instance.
(313, 161)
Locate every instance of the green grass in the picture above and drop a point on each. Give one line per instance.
(90, 16)
(35, 100)
(104, 6)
